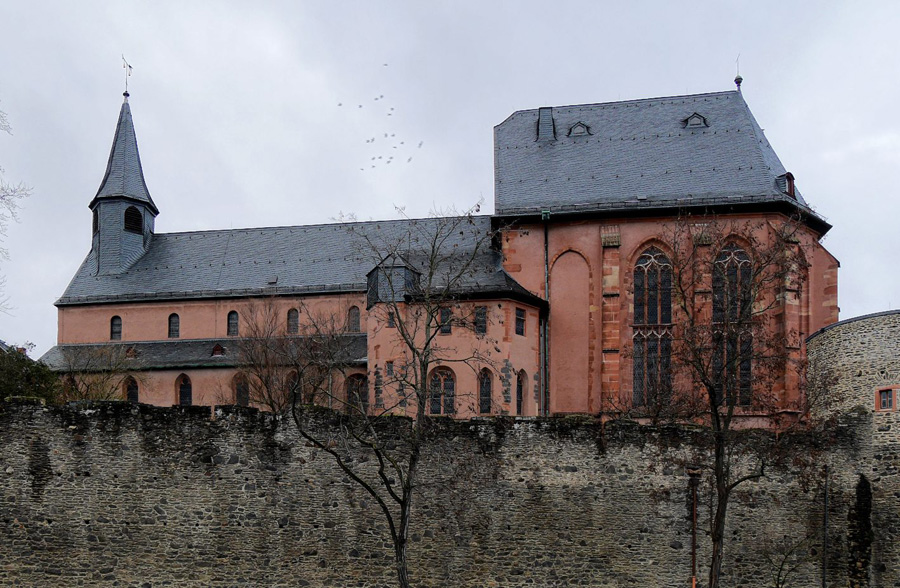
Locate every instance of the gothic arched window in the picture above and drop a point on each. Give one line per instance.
(485, 383)
(115, 328)
(353, 319)
(442, 391)
(185, 392)
(521, 383)
(652, 377)
(232, 324)
(131, 389)
(293, 321)
(174, 326)
(732, 322)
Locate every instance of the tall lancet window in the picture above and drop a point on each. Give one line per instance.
(652, 383)
(732, 324)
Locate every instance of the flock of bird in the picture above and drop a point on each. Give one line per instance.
(389, 148)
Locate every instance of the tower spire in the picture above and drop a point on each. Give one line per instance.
(124, 177)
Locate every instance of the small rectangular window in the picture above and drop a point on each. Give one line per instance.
(520, 321)
(392, 320)
(481, 320)
(886, 399)
(389, 369)
(446, 327)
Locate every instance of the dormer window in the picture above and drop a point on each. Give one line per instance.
(218, 351)
(134, 221)
(695, 121)
(785, 183)
(579, 129)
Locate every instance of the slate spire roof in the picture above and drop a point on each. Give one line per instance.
(124, 176)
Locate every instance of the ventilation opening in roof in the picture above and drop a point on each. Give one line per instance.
(133, 220)
(695, 121)
(579, 129)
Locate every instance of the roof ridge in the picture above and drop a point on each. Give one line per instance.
(632, 101)
(317, 225)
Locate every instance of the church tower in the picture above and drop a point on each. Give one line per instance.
(123, 211)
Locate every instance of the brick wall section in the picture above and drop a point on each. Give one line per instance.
(858, 357)
(134, 495)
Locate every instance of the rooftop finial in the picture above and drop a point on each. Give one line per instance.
(738, 79)
(127, 68)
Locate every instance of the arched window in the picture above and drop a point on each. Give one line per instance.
(732, 323)
(185, 392)
(521, 384)
(357, 394)
(442, 392)
(241, 390)
(174, 326)
(353, 319)
(115, 328)
(651, 368)
(485, 382)
(293, 321)
(233, 323)
(131, 389)
(134, 222)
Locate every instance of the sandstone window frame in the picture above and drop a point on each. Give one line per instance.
(886, 398)
(185, 390)
(115, 328)
(233, 324)
(174, 326)
(732, 300)
(132, 391)
(521, 315)
(293, 321)
(521, 384)
(651, 384)
(485, 391)
(442, 391)
(480, 320)
(353, 319)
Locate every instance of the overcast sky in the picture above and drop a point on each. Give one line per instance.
(263, 113)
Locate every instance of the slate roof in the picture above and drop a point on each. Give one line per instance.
(170, 354)
(310, 259)
(639, 154)
(124, 175)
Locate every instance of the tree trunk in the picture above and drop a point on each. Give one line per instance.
(718, 526)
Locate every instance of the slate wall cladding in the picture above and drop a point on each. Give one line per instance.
(134, 495)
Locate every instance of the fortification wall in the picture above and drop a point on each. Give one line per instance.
(134, 495)
(853, 360)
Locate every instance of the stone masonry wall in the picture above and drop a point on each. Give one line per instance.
(114, 494)
(853, 360)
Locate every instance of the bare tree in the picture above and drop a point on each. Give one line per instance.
(96, 372)
(424, 274)
(712, 345)
(10, 197)
(278, 365)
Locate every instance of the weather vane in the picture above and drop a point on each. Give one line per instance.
(738, 79)
(127, 67)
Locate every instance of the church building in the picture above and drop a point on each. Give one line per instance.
(565, 300)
